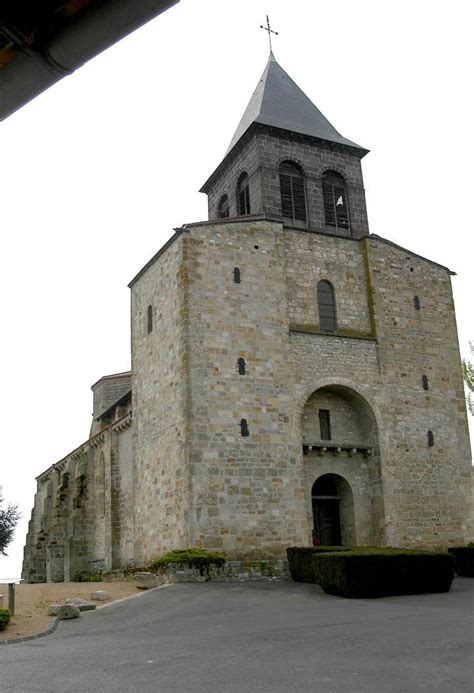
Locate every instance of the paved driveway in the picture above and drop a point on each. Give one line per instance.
(254, 637)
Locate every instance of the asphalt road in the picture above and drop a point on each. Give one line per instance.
(254, 637)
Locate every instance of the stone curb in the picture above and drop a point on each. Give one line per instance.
(55, 622)
(43, 633)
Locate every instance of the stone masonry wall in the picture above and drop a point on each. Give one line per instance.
(195, 480)
(77, 526)
(427, 493)
(243, 159)
(247, 492)
(315, 158)
(160, 382)
(108, 390)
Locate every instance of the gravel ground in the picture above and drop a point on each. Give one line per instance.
(32, 601)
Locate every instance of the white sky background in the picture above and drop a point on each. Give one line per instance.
(97, 171)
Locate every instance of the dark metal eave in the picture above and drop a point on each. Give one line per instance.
(83, 36)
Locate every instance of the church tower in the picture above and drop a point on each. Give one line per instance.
(295, 379)
(287, 161)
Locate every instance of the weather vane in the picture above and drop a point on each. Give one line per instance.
(270, 32)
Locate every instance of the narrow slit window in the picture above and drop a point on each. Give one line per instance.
(243, 195)
(292, 191)
(326, 307)
(241, 366)
(416, 301)
(430, 439)
(424, 380)
(325, 424)
(223, 208)
(149, 319)
(236, 275)
(336, 208)
(244, 428)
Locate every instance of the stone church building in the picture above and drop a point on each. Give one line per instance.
(294, 379)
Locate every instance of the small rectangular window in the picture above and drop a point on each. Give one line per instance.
(325, 424)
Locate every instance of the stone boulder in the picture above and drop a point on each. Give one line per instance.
(53, 609)
(145, 581)
(100, 596)
(68, 611)
(82, 604)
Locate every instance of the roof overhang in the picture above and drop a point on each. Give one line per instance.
(40, 43)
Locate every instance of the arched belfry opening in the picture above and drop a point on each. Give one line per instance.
(342, 468)
(333, 511)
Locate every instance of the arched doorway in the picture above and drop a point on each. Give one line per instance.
(333, 511)
(342, 468)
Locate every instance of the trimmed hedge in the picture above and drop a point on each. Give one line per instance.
(464, 560)
(300, 560)
(4, 618)
(382, 573)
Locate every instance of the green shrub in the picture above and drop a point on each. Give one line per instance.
(195, 558)
(4, 618)
(300, 560)
(463, 560)
(384, 572)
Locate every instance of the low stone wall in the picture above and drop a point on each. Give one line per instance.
(231, 571)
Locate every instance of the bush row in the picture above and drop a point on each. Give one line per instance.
(195, 558)
(4, 618)
(464, 560)
(372, 572)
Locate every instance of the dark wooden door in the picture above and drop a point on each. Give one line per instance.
(327, 523)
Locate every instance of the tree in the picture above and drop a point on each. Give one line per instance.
(468, 375)
(9, 517)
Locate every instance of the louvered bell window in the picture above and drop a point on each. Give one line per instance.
(243, 195)
(292, 189)
(326, 307)
(336, 208)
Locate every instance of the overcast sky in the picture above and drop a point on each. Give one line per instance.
(97, 171)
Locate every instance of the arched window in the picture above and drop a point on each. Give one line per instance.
(236, 275)
(243, 195)
(223, 208)
(293, 200)
(241, 366)
(336, 208)
(149, 319)
(326, 307)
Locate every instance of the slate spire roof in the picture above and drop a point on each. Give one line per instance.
(279, 102)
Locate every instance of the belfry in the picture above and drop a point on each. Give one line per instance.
(295, 379)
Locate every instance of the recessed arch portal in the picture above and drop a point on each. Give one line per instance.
(341, 463)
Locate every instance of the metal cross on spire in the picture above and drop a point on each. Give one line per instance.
(270, 32)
